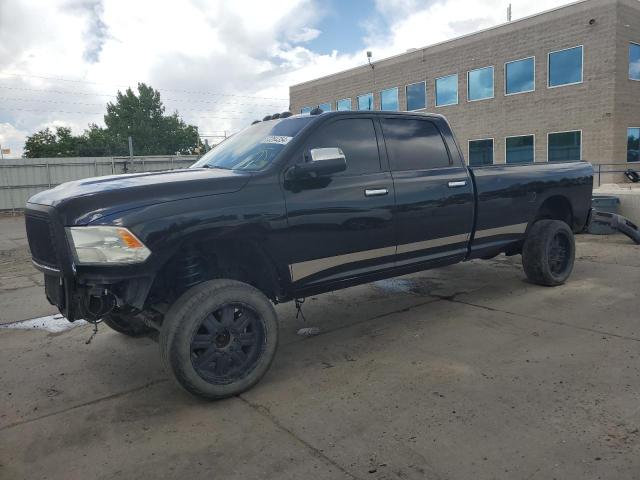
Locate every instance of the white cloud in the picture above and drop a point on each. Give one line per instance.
(238, 48)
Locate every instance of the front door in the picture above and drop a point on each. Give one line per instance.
(341, 225)
(434, 196)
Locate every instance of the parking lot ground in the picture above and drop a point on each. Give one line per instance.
(466, 372)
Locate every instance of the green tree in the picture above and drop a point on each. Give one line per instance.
(140, 116)
(45, 143)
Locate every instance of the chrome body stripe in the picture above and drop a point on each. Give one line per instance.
(311, 267)
(506, 230)
(305, 269)
(433, 243)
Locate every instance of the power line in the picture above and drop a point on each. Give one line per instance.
(177, 100)
(101, 104)
(102, 113)
(194, 92)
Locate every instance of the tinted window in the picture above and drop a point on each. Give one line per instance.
(480, 84)
(389, 100)
(519, 76)
(344, 104)
(520, 149)
(480, 152)
(325, 107)
(634, 61)
(564, 146)
(565, 67)
(633, 145)
(447, 90)
(365, 102)
(414, 144)
(416, 96)
(305, 109)
(356, 138)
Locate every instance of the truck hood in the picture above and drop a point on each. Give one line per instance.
(83, 201)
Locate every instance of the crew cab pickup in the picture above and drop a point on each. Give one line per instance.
(289, 207)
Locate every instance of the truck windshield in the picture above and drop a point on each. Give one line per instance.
(255, 147)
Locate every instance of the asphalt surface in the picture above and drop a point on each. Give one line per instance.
(466, 372)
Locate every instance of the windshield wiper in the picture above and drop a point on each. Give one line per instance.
(215, 166)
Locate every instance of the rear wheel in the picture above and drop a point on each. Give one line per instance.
(548, 252)
(219, 338)
(128, 325)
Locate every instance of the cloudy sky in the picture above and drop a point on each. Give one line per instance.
(219, 63)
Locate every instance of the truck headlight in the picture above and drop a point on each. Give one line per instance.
(102, 245)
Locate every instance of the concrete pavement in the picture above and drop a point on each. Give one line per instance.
(463, 372)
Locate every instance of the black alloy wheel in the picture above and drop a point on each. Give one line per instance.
(228, 343)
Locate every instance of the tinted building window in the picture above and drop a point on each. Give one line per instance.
(325, 107)
(344, 105)
(365, 102)
(414, 144)
(520, 149)
(389, 99)
(519, 76)
(564, 146)
(480, 84)
(447, 90)
(634, 61)
(356, 138)
(481, 152)
(416, 96)
(565, 67)
(305, 109)
(633, 145)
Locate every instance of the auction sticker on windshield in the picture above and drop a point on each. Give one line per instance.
(277, 139)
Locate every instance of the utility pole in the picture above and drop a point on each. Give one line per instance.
(509, 13)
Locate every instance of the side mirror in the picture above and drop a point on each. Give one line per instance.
(324, 161)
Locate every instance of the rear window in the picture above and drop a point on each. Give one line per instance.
(414, 144)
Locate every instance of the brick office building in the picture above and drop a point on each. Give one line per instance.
(560, 85)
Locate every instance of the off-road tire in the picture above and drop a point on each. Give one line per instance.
(186, 318)
(128, 325)
(548, 253)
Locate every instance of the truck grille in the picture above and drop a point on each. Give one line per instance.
(41, 240)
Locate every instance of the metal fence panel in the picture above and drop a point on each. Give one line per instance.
(23, 178)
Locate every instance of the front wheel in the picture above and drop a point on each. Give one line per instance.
(219, 338)
(548, 252)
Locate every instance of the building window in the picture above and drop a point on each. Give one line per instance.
(481, 152)
(389, 99)
(565, 67)
(447, 90)
(520, 149)
(564, 146)
(343, 105)
(633, 145)
(480, 84)
(634, 61)
(325, 107)
(365, 102)
(416, 96)
(520, 76)
(305, 110)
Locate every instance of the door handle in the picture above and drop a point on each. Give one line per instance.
(375, 192)
(461, 183)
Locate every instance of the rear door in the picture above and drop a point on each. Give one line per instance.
(434, 195)
(341, 225)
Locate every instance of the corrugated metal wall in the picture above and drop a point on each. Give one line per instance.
(22, 178)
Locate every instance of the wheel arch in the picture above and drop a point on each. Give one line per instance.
(556, 207)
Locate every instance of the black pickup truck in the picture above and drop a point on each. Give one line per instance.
(289, 207)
